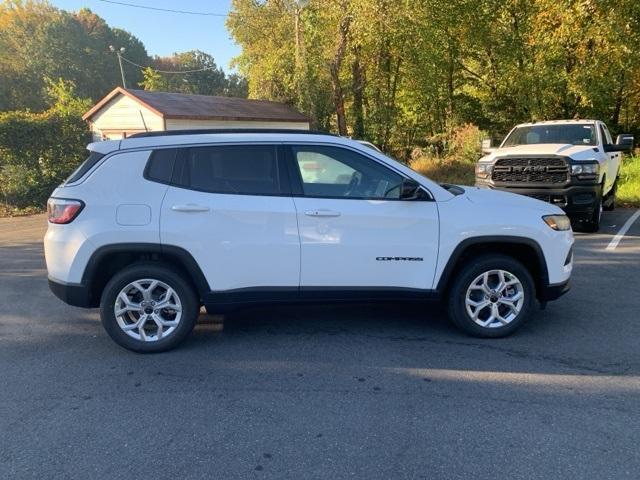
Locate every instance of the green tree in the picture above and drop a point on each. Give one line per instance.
(201, 76)
(38, 40)
(39, 150)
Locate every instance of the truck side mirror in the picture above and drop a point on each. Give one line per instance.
(625, 140)
(486, 146)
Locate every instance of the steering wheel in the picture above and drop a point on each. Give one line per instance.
(354, 183)
(387, 192)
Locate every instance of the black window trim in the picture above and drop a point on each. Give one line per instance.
(297, 183)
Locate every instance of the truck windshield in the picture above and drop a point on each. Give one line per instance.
(573, 134)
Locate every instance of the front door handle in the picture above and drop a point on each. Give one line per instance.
(322, 213)
(190, 208)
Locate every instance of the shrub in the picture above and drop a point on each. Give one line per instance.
(37, 152)
(444, 171)
(466, 143)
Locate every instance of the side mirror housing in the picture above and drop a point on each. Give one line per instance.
(625, 140)
(486, 146)
(412, 190)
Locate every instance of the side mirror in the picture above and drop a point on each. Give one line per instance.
(625, 140)
(411, 190)
(486, 146)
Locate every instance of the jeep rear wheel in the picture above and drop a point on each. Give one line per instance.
(491, 296)
(148, 308)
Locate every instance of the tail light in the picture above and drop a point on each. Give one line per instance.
(62, 210)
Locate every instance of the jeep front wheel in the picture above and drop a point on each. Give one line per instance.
(491, 296)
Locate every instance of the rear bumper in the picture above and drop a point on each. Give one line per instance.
(74, 294)
(552, 292)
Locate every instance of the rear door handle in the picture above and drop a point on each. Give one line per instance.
(190, 208)
(322, 213)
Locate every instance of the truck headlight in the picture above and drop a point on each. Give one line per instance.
(559, 223)
(483, 170)
(584, 169)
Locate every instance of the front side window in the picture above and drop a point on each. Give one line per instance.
(239, 169)
(606, 136)
(340, 173)
(572, 134)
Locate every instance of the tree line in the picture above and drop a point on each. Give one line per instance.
(39, 42)
(402, 73)
(54, 65)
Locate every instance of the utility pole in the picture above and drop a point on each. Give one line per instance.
(119, 53)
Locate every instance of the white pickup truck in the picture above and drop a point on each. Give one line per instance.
(573, 164)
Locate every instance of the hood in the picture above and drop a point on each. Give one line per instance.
(494, 199)
(576, 152)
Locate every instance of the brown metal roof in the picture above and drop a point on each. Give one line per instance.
(205, 107)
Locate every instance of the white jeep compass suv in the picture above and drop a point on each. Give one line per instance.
(152, 227)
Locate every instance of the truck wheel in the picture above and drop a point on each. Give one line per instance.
(609, 203)
(491, 296)
(592, 224)
(148, 308)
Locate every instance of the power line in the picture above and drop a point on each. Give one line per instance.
(147, 7)
(168, 71)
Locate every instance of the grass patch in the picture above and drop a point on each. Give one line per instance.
(11, 211)
(445, 171)
(629, 187)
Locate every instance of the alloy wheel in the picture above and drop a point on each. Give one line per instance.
(494, 299)
(148, 310)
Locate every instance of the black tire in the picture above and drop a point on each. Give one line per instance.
(609, 203)
(190, 306)
(592, 224)
(466, 275)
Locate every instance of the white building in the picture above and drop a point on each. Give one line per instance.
(124, 112)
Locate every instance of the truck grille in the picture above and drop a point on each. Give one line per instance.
(542, 170)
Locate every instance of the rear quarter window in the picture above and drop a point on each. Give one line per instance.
(160, 165)
(88, 164)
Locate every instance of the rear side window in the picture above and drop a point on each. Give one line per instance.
(239, 169)
(160, 165)
(92, 159)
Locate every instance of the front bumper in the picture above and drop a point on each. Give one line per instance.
(548, 293)
(74, 294)
(575, 200)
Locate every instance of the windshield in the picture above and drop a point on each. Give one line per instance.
(573, 134)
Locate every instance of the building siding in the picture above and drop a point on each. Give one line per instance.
(123, 114)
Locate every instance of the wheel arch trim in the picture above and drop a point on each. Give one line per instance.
(464, 245)
(185, 258)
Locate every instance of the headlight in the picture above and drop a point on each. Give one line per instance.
(483, 170)
(584, 169)
(560, 223)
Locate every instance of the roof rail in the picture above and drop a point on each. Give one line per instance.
(163, 133)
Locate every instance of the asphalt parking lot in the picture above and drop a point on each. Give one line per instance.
(369, 392)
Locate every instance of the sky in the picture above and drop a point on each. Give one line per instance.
(164, 33)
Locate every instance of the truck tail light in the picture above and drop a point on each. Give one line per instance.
(63, 210)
